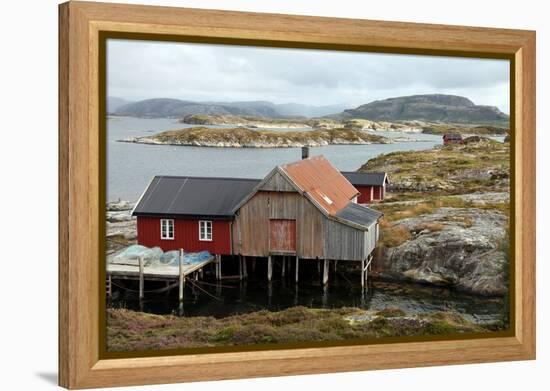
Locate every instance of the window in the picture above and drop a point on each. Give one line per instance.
(205, 230)
(167, 229)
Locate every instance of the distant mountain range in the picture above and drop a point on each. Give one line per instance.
(176, 108)
(428, 108)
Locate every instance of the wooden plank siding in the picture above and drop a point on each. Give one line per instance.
(343, 242)
(277, 182)
(251, 226)
(186, 235)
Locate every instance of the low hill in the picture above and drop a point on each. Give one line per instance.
(429, 108)
(176, 108)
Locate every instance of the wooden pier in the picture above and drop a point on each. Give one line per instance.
(169, 273)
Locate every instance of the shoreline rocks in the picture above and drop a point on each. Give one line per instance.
(461, 248)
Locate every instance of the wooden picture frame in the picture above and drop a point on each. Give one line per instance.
(81, 364)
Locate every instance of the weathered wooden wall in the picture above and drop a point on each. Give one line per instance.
(277, 182)
(251, 226)
(343, 242)
(371, 237)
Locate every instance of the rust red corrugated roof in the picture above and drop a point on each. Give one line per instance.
(322, 181)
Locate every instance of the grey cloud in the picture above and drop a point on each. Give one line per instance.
(140, 70)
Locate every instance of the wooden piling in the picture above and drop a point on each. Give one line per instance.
(325, 272)
(240, 267)
(297, 267)
(109, 286)
(245, 268)
(141, 281)
(219, 265)
(283, 269)
(362, 273)
(181, 276)
(269, 268)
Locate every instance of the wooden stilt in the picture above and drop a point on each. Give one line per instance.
(109, 286)
(269, 268)
(141, 282)
(319, 267)
(362, 273)
(325, 272)
(181, 277)
(297, 267)
(283, 268)
(219, 257)
(253, 265)
(245, 268)
(335, 266)
(240, 267)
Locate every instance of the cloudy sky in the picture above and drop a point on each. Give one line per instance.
(141, 70)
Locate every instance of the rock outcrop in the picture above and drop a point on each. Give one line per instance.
(462, 248)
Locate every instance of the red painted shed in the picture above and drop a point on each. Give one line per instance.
(371, 185)
(452, 138)
(192, 213)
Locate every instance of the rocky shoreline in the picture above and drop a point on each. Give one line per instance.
(121, 228)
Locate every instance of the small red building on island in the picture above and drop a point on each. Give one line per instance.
(452, 138)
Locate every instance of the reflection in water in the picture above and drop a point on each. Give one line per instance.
(232, 297)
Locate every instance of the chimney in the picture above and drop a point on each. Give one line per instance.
(305, 152)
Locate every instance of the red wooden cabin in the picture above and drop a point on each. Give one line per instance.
(452, 138)
(371, 185)
(192, 213)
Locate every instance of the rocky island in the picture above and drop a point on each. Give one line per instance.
(259, 138)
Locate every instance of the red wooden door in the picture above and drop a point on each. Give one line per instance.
(282, 235)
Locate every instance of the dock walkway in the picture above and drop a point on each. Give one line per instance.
(156, 272)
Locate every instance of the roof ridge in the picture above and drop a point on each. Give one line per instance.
(207, 177)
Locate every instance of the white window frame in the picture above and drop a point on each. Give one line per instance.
(165, 232)
(208, 236)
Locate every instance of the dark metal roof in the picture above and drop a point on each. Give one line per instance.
(365, 178)
(359, 214)
(193, 196)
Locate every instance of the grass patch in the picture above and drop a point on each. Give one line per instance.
(393, 235)
(450, 170)
(130, 331)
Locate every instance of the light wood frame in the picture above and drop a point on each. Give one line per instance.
(80, 364)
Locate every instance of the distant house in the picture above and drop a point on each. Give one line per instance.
(452, 138)
(192, 213)
(371, 185)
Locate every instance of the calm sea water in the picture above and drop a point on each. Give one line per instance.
(130, 167)
(233, 297)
